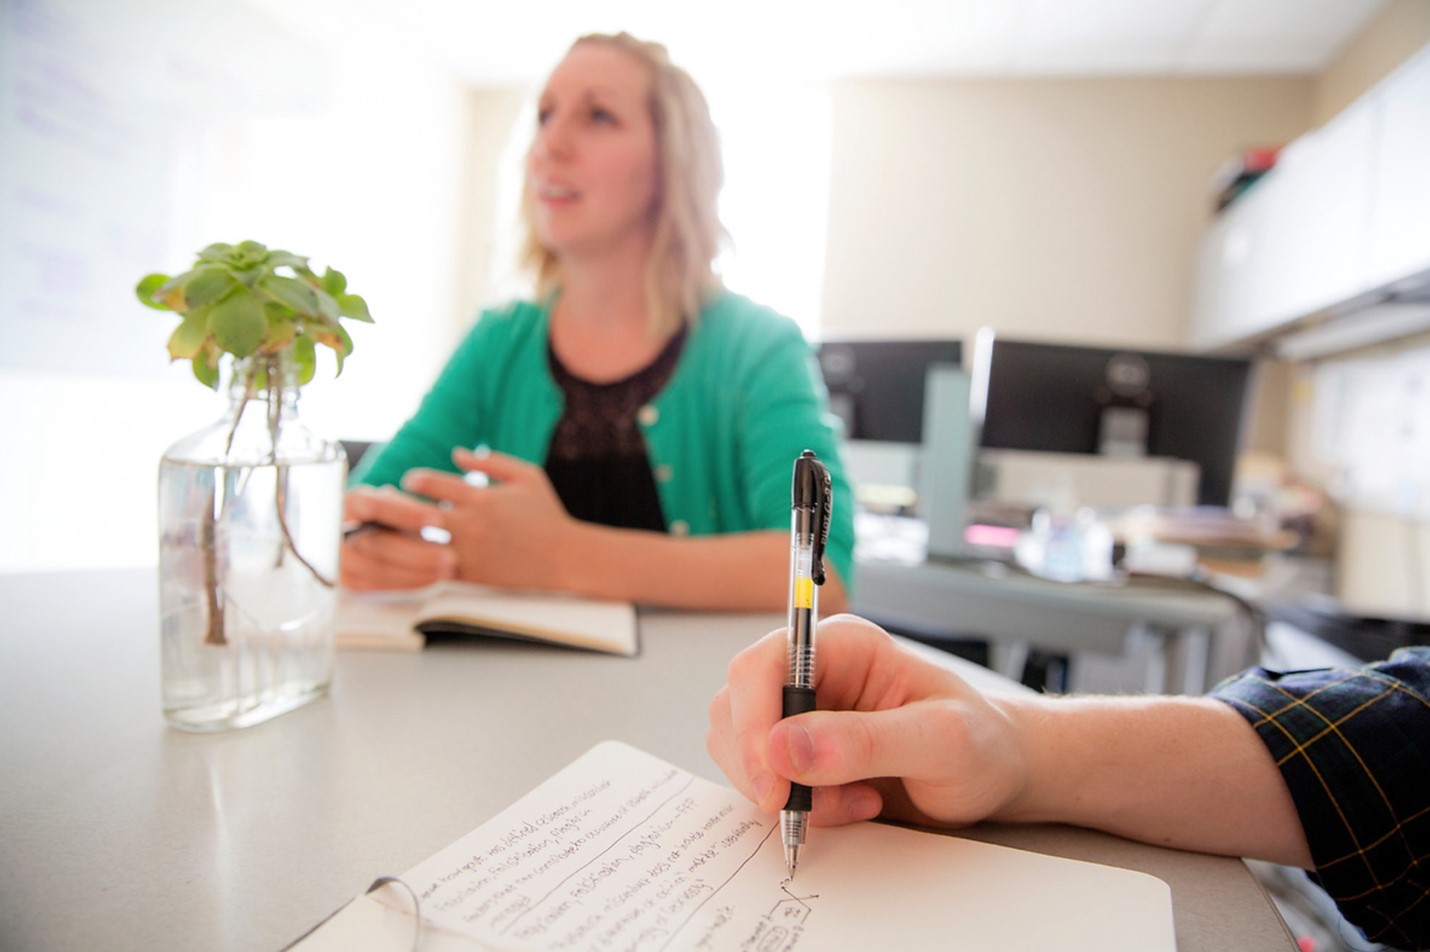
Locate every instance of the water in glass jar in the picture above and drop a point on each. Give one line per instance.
(246, 616)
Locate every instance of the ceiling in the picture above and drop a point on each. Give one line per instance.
(501, 42)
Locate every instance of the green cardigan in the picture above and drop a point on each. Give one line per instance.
(744, 400)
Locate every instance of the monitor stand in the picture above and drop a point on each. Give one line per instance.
(946, 467)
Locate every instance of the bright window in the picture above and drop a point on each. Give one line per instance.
(776, 145)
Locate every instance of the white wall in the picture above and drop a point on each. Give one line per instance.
(352, 162)
(1059, 209)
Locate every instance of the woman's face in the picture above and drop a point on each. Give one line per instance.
(592, 171)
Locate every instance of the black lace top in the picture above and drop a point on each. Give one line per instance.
(597, 460)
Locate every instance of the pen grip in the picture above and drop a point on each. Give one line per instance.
(798, 700)
(800, 798)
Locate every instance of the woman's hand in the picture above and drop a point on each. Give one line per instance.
(392, 553)
(512, 533)
(948, 754)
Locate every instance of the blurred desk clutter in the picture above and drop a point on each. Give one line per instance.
(1149, 599)
(1239, 172)
(1120, 632)
(1198, 540)
(1142, 540)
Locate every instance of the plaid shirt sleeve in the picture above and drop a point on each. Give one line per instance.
(1354, 749)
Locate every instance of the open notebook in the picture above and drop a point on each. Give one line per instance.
(621, 850)
(404, 620)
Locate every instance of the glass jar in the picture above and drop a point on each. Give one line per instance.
(250, 514)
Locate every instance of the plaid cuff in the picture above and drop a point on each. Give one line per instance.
(1354, 749)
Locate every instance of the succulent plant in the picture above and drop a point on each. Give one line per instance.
(247, 300)
(269, 311)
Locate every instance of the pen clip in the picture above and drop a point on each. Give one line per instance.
(826, 511)
(814, 491)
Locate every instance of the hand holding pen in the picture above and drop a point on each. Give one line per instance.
(499, 522)
(811, 503)
(383, 543)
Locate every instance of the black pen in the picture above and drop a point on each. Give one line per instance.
(812, 498)
(357, 529)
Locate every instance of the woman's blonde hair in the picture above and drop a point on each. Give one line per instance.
(687, 236)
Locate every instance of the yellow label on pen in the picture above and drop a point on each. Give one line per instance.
(804, 593)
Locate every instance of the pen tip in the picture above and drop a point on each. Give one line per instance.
(791, 859)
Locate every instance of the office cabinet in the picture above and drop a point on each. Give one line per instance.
(1294, 243)
(1345, 211)
(1320, 220)
(1399, 243)
(1224, 266)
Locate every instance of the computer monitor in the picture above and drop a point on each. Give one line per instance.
(877, 386)
(1065, 398)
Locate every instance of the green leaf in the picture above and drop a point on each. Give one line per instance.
(188, 338)
(282, 329)
(238, 323)
(285, 259)
(277, 312)
(334, 282)
(325, 334)
(206, 286)
(206, 372)
(327, 307)
(249, 275)
(216, 252)
(354, 307)
(305, 358)
(171, 293)
(341, 348)
(175, 283)
(146, 287)
(290, 292)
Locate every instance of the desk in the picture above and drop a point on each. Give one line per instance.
(118, 833)
(1202, 634)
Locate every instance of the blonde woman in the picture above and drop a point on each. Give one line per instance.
(638, 422)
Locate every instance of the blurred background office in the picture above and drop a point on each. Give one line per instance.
(1049, 169)
(1073, 181)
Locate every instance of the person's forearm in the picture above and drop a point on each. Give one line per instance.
(747, 571)
(1175, 771)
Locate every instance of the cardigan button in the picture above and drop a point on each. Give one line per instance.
(680, 528)
(647, 415)
(663, 473)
